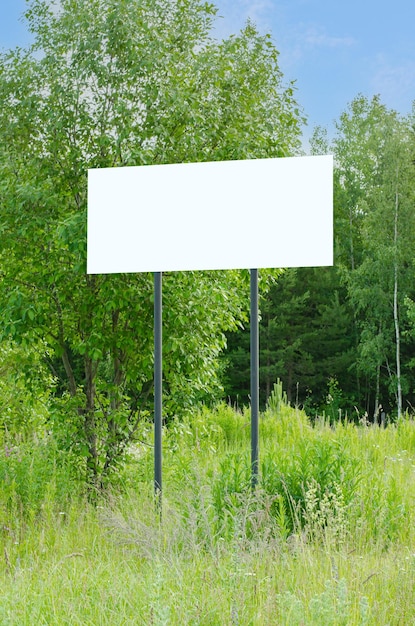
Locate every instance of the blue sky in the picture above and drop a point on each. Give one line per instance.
(336, 49)
(332, 48)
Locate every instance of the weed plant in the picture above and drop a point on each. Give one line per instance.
(33, 475)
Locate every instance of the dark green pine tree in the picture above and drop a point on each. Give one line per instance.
(306, 341)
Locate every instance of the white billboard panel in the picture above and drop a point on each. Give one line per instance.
(216, 215)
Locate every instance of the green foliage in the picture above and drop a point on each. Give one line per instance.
(332, 607)
(375, 204)
(277, 398)
(34, 475)
(221, 552)
(308, 479)
(109, 84)
(306, 336)
(350, 322)
(25, 388)
(319, 466)
(334, 401)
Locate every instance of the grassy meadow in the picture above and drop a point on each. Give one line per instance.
(327, 538)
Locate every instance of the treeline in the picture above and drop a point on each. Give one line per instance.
(341, 339)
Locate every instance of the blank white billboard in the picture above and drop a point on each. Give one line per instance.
(205, 216)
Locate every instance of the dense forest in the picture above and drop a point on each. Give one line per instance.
(341, 339)
(109, 84)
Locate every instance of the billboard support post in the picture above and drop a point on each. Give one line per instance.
(158, 387)
(254, 348)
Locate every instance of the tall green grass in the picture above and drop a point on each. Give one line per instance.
(326, 539)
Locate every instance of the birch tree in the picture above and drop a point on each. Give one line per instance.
(375, 171)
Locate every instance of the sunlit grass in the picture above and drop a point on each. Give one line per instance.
(222, 555)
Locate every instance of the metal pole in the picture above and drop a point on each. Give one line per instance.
(254, 325)
(158, 389)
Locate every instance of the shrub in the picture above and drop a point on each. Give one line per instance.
(32, 474)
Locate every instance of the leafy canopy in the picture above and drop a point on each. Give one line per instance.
(110, 83)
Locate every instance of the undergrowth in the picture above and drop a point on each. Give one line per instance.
(326, 538)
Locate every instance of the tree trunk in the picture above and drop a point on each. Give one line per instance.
(69, 372)
(395, 313)
(376, 416)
